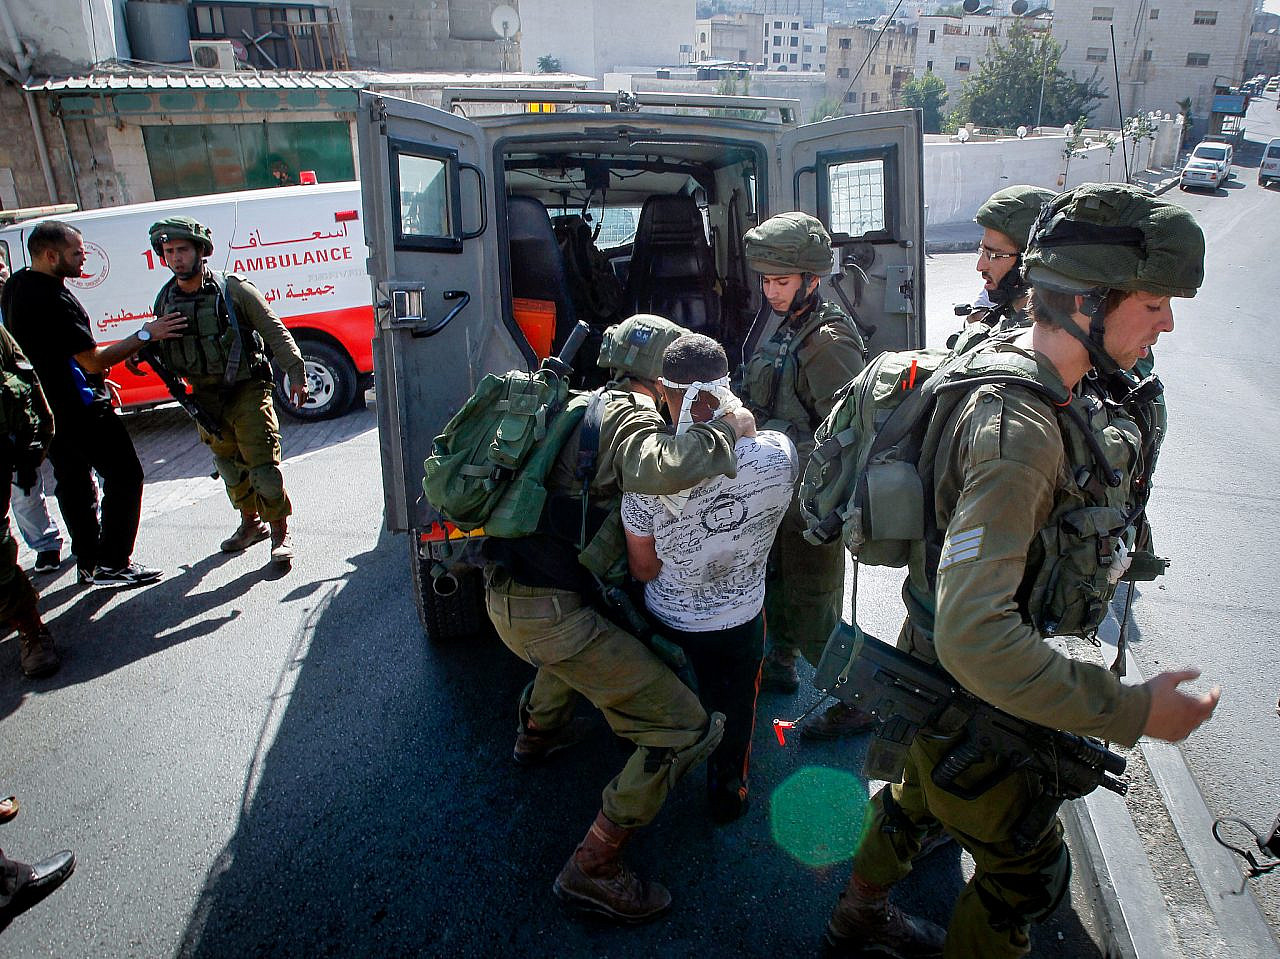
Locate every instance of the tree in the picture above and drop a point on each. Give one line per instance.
(929, 95)
(827, 108)
(728, 87)
(1006, 92)
(950, 10)
(548, 64)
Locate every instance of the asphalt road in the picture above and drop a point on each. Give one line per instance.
(250, 763)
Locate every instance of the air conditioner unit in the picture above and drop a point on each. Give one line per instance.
(213, 54)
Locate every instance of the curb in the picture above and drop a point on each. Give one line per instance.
(1129, 905)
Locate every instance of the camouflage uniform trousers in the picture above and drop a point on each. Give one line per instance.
(576, 649)
(17, 596)
(248, 454)
(804, 589)
(1011, 887)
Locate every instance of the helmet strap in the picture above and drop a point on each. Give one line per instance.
(802, 295)
(1093, 305)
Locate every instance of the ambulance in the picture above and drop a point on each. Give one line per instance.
(303, 247)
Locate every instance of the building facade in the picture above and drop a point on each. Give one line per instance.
(794, 45)
(1166, 51)
(1264, 46)
(952, 48)
(731, 38)
(889, 63)
(594, 37)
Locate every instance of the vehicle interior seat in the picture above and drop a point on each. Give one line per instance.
(537, 265)
(672, 272)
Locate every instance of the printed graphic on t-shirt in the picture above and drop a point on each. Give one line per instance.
(714, 553)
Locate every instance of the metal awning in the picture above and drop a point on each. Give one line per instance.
(159, 82)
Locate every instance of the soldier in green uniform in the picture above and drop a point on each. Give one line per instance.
(1006, 220)
(545, 606)
(1104, 261)
(26, 427)
(223, 354)
(790, 384)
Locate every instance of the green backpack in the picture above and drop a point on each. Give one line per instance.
(488, 469)
(863, 482)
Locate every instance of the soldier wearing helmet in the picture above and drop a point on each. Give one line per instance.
(544, 597)
(790, 383)
(1006, 220)
(1016, 472)
(229, 334)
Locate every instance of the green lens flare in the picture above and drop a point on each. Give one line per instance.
(816, 814)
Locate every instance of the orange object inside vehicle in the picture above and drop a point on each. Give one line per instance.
(537, 321)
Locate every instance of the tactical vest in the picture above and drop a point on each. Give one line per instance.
(202, 353)
(770, 379)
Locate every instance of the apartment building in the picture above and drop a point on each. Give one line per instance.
(1165, 51)
(888, 64)
(794, 45)
(953, 47)
(1264, 46)
(731, 37)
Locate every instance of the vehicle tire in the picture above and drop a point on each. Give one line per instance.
(458, 615)
(331, 382)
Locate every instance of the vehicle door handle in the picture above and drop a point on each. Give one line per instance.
(421, 332)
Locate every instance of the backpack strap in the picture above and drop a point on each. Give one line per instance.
(238, 348)
(163, 295)
(588, 453)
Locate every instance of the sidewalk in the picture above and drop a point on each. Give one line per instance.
(962, 236)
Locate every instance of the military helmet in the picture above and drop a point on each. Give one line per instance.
(181, 228)
(1112, 236)
(1013, 210)
(789, 243)
(635, 345)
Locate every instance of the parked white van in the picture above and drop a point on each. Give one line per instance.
(1269, 169)
(302, 246)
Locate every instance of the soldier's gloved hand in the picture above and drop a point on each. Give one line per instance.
(1121, 560)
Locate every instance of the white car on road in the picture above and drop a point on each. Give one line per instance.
(1201, 174)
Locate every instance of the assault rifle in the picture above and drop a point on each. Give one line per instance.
(909, 697)
(180, 392)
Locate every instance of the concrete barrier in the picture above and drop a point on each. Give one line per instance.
(958, 177)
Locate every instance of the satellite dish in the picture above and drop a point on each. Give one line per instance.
(505, 21)
(971, 6)
(1019, 7)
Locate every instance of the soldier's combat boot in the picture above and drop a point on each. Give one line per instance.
(251, 530)
(778, 672)
(596, 880)
(38, 656)
(281, 547)
(536, 746)
(864, 919)
(838, 722)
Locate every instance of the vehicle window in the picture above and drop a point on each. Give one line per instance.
(857, 197)
(1212, 153)
(1273, 151)
(4, 253)
(617, 226)
(424, 196)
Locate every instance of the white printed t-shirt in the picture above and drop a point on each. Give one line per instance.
(714, 553)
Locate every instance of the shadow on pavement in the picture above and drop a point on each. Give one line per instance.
(93, 643)
(382, 815)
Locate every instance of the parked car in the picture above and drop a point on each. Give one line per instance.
(1269, 169)
(1273, 84)
(1201, 174)
(1219, 152)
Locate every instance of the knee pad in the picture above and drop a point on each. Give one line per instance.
(268, 482)
(1017, 899)
(680, 761)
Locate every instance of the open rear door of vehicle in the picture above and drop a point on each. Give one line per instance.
(863, 177)
(426, 184)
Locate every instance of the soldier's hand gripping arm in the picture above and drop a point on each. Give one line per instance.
(1004, 466)
(639, 455)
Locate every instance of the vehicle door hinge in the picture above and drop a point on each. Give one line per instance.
(899, 290)
(378, 114)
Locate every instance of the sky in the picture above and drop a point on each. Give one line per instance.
(1271, 6)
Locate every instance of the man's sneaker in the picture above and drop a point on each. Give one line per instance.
(131, 575)
(38, 657)
(85, 575)
(47, 561)
(838, 722)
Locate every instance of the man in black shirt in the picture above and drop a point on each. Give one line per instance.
(53, 330)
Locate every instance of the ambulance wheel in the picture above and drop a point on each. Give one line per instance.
(331, 382)
(449, 610)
